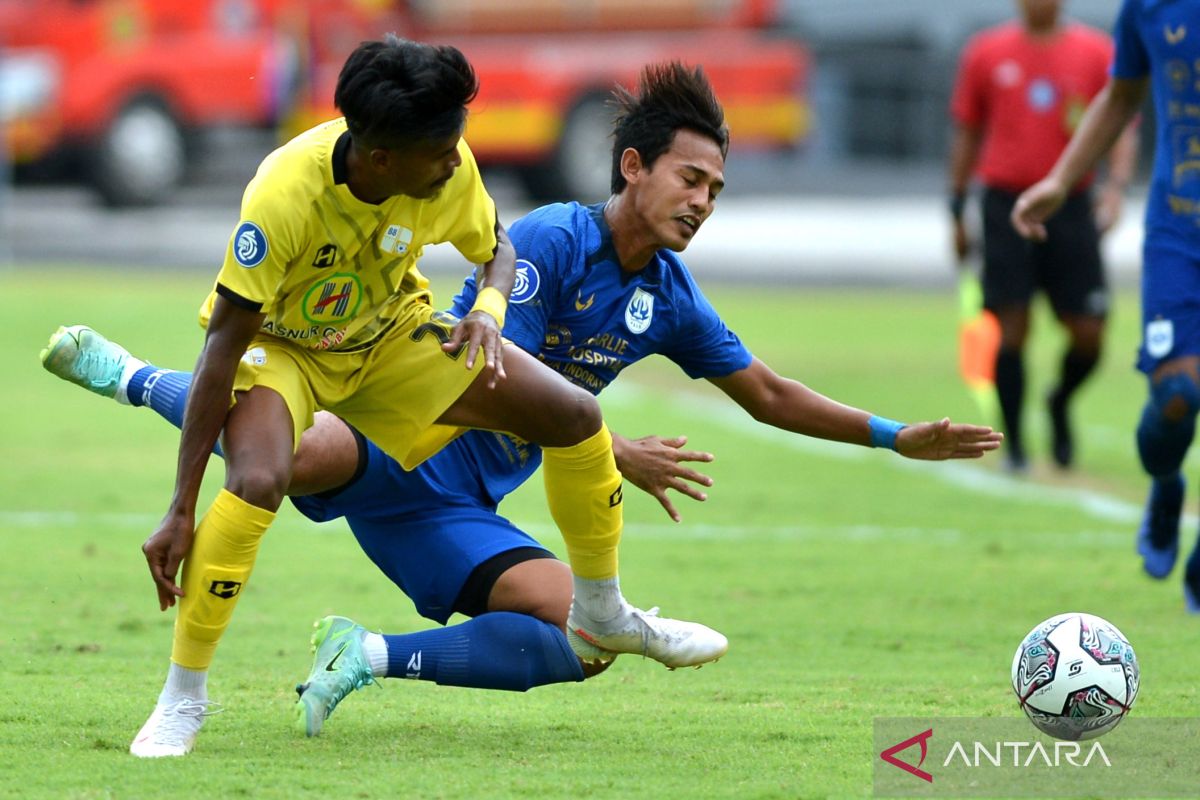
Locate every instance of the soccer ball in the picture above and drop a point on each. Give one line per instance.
(1075, 676)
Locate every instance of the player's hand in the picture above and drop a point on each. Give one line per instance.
(962, 240)
(165, 551)
(655, 464)
(935, 441)
(477, 330)
(1036, 205)
(1107, 208)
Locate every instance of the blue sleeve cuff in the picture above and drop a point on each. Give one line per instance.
(883, 432)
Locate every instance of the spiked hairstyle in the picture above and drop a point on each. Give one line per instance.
(670, 96)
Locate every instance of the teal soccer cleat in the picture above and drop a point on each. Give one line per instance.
(338, 669)
(78, 354)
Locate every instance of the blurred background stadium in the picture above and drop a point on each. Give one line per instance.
(132, 126)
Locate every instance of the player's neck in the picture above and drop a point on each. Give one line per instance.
(1043, 29)
(634, 246)
(359, 180)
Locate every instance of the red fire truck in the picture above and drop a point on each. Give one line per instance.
(123, 82)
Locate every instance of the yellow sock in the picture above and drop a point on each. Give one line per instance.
(583, 490)
(214, 575)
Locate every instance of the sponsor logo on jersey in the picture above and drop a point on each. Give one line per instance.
(333, 300)
(249, 245)
(396, 239)
(581, 304)
(528, 282)
(1160, 337)
(326, 256)
(1175, 36)
(1007, 74)
(640, 311)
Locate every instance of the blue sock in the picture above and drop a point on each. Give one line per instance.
(500, 650)
(1161, 443)
(165, 391)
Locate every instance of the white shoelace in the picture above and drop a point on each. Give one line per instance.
(182, 719)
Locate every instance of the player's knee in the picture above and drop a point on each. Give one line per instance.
(1176, 397)
(583, 417)
(259, 486)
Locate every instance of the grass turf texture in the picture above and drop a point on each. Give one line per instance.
(852, 584)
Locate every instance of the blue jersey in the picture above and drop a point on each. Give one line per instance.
(1160, 39)
(575, 309)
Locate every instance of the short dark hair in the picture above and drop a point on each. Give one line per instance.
(670, 96)
(398, 91)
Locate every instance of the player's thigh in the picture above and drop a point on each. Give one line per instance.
(407, 381)
(533, 402)
(1070, 265)
(446, 558)
(1170, 306)
(1008, 272)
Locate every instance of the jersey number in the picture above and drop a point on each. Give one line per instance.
(438, 330)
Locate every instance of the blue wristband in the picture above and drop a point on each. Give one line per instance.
(883, 432)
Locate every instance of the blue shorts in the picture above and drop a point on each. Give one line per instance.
(1170, 305)
(427, 539)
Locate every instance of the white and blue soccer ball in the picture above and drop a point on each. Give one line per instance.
(1075, 676)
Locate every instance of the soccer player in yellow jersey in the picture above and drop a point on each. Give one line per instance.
(319, 305)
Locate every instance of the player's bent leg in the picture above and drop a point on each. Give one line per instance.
(1164, 433)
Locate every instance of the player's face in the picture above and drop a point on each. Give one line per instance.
(420, 169)
(677, 194)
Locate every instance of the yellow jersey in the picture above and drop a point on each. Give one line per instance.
(330, 271)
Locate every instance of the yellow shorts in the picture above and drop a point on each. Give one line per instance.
(393, 392)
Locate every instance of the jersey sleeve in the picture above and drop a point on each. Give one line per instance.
(267, 239)
(968, 101)
(546, 242)
(1132, 60)
(705, 347)
(469, 211)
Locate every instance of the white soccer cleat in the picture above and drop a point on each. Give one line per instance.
(172, 728)
(672, 642)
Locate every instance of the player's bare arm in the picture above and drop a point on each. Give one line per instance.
(230, 331)
(964, 154)
(655, 464)
(481, 328)
(790, 405)
(1106, 118)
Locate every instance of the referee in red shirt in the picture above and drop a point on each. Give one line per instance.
(1021, 89)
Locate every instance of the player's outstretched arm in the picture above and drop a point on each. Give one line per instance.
(230, 331)
(1107, 117)
(790, 405)
(482, 326)
(655, 464)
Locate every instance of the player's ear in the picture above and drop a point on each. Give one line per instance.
(631, 164)
(379, 158)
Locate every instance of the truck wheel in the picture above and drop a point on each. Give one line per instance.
(141, 157)
(581, 167)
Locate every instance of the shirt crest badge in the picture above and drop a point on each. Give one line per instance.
(640, 311)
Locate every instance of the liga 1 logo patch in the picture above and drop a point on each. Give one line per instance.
(249, 245)
(527, 282)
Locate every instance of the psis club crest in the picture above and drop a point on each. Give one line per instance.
(640, 311)
(527, 282)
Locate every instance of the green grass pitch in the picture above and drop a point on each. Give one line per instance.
(852, 584)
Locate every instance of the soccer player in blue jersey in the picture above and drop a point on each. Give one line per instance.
(599, 287)
(1158, 48)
